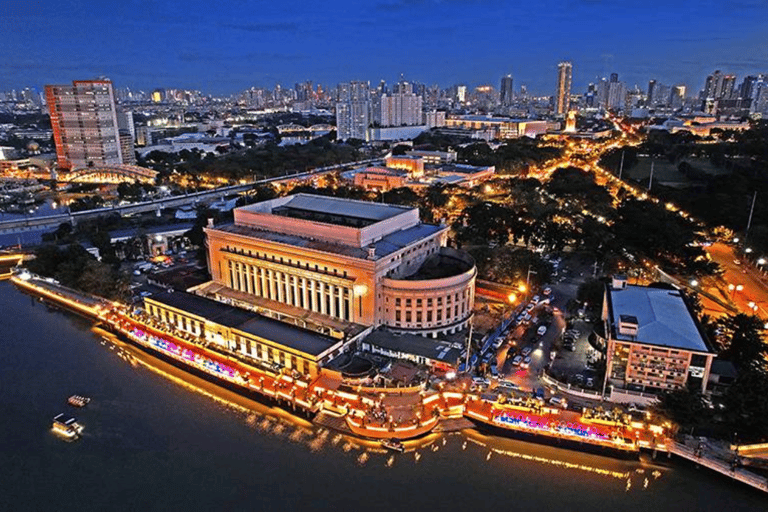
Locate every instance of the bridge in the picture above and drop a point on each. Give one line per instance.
(117, 173)
(53, 221)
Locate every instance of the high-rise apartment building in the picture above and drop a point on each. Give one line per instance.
(506, 93)
(353, 111)
(563, 95)
(402, 108)
(85, 124)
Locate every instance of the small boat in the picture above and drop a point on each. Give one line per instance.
(78, 401)
(66, 426)
(393, 444)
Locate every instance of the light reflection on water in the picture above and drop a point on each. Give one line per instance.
(157, 438)
(278, 423)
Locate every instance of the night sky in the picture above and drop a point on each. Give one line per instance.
(224, 47)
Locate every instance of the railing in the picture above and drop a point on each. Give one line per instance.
(734, 472)
(569, 389)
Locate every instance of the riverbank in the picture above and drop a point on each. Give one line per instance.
(309, 398)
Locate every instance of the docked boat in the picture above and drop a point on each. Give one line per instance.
(66, 426)
(393, 444)
(78, 401)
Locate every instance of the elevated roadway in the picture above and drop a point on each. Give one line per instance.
(53, 221)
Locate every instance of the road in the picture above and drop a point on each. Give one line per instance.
(741, 283)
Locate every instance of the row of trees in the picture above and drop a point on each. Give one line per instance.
(266, 160)
(573, 210)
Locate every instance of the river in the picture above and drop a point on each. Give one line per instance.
(153, 441)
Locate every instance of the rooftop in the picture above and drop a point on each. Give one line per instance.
(334, 210)
(663, 318)
(384, 247)
(414, 344)
(281, 333)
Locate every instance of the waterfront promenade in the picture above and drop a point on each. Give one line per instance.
(378, 413)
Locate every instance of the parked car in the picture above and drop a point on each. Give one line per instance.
(547, 291)
(517, 360)
(494, 370)
(561, 402)
(535, 299)
(530, 307)
(526, 351)
(526, 362)
(542, 330)
(590, 382)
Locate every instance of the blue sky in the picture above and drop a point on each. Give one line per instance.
(223, 47)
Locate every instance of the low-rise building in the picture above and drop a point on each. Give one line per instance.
(380, 178)
(654, 341)
(256, 337)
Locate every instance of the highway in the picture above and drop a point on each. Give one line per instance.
(53, 221)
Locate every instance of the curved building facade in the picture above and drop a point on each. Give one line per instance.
(436, 300)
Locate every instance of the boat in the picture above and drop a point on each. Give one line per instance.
(78, 401)
(66, 426)
(393, 444)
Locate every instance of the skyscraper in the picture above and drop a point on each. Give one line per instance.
(353, 111)
(506, 94)
(563, 96)
(651, 89)
(85, 125)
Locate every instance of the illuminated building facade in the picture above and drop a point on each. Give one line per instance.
(265, 340)
(654, 342)
(85, 124)
(336, 263)
(563, 93)
(413, 164)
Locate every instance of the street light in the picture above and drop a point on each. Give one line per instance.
(512, 298)
(694, 283)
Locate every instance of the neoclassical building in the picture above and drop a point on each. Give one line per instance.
(339, 266)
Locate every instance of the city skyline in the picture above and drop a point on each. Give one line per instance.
(226, 51)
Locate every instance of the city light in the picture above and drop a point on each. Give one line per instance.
(522, 288)
(512, 298)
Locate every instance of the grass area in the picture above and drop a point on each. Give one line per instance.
(667, 174)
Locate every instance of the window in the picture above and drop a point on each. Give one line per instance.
(397, 315)
(407, 316)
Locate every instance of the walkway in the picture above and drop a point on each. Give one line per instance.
(740, 474)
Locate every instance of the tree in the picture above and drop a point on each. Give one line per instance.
(592, 292)
(684, 407)
(745, 345)
(746, 404)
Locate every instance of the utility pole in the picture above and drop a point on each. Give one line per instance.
(621, 166)
(749, 222)
(650, 179)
